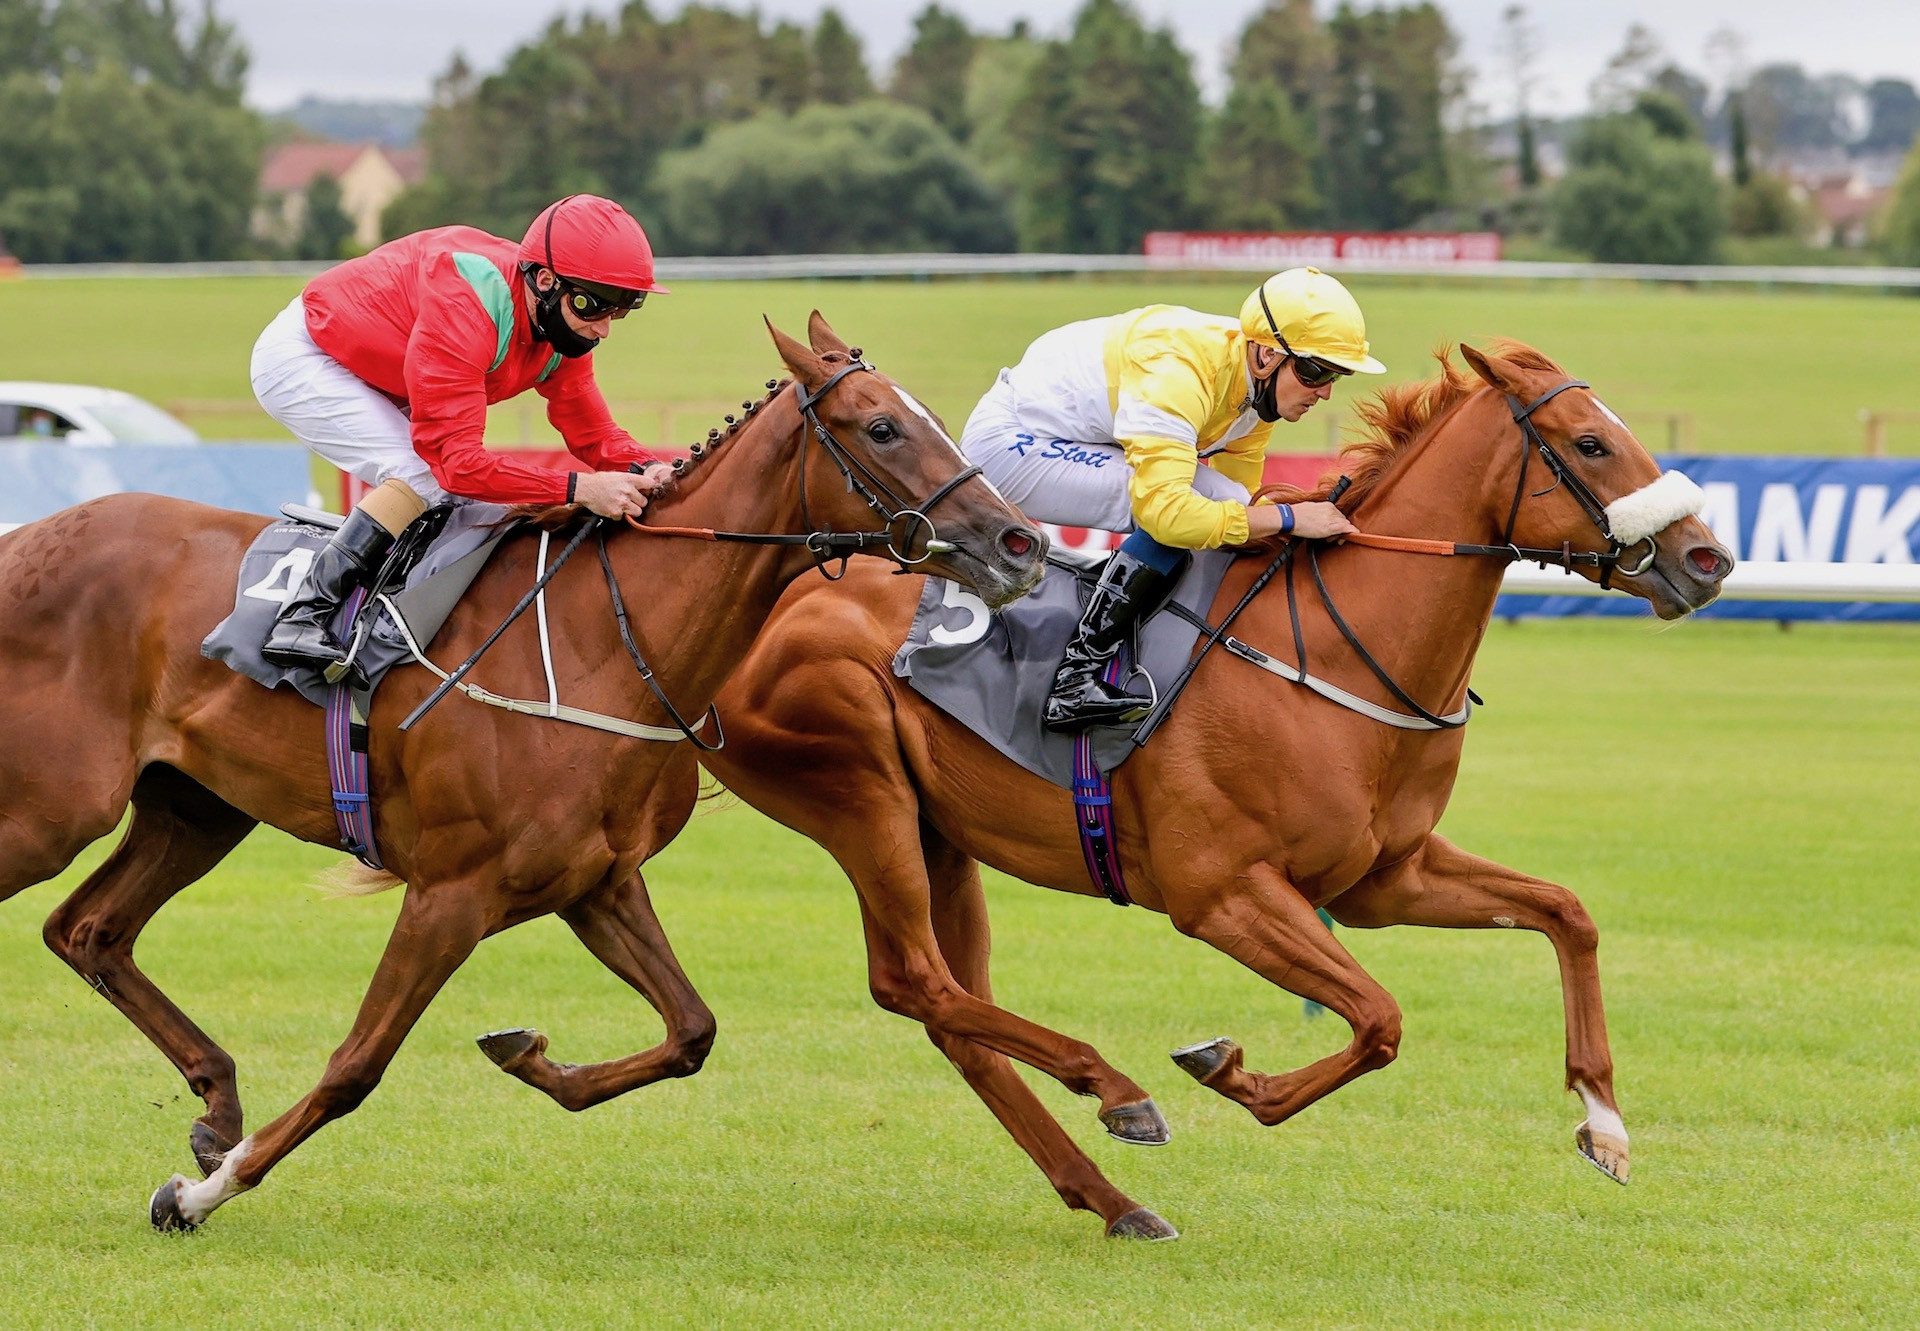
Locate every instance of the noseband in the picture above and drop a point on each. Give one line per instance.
(905, 520)
(1611, 560)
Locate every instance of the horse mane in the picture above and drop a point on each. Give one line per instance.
(1393, 419)
(554, 517)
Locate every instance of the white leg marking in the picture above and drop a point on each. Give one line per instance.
(1504, 921)
(1602, 1120)
(199, 1200)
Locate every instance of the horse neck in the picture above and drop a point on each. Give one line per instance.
(699, 604)
(1422, 617)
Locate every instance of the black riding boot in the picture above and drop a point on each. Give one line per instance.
(301, 635)
(1080, 698)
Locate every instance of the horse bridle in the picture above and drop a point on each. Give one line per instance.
(905, 519)
(825, 545)
(1611, 560)
(1608, 561)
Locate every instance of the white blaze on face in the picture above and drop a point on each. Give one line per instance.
(914, 406)
(1655, 507)
(1608, 412)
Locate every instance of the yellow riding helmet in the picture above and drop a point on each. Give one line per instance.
(1307, 313)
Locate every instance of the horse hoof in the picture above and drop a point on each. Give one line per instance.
(1202, 1060)
(1607, 1152)
(1140, 1223)
(208, 1149)
(164, 1208)
(1140, 1124)
(505, 1046)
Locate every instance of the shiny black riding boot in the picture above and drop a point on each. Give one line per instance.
(301, 636)
(1080, 698)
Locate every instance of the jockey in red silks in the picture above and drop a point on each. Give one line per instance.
(386, 364)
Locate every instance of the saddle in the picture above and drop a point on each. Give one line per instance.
(991, 672)
(396, 614)
(429, 568)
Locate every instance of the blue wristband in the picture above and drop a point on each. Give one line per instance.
(1286, 519)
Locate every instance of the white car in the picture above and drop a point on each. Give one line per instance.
(83, 414)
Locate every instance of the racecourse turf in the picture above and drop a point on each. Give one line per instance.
(1752, 371)
(1733, 802)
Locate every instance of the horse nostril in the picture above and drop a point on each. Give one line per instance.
(1707, 562)
(1017, 542)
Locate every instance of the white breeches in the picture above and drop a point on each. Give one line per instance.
(338, 415)
(1067, 482)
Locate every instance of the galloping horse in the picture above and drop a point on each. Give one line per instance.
(489, 818)
(1257, 801)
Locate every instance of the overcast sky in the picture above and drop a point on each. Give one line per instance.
(394, 48)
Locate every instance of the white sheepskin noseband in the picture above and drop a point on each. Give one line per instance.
(1653, 508)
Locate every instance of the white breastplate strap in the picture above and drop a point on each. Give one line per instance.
(551, 707)
(1654, 507)
(1333, 693)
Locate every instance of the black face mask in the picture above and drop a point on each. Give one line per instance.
(550, 324)
(1264, 397)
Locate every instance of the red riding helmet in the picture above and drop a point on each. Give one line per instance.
(591, 239)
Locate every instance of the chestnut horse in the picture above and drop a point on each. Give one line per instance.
(490, 818)
(1257, 801)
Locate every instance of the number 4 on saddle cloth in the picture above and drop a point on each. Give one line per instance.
(992, 672)
(428, 570)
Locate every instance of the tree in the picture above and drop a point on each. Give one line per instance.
(1259, 162)
(1523, 50)
(326, 228)
(999, 138)
(1111, 118)
(1633, 196)
(1764, 206)
(1739, 149)
(840, 75)
(1388, 155)
(1900, 226)
(932, 72)
(1893, 116)
(1629, 71)
(787, 77)
(831, 179)
(1788, 109)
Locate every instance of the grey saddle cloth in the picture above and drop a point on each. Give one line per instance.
(991, 672)
(277, 561)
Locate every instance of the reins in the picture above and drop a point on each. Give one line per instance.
(905, 520)
(1566, 557)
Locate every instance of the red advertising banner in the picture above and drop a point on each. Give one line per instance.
(1289, 249)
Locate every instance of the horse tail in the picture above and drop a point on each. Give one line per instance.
(355, 880)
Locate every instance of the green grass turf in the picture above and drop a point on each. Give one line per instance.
(1756, 371)
(1734, 803)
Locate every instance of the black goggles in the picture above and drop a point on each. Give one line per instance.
(1311, 371)
(591, 300)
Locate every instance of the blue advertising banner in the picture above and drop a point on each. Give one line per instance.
(38, 479)
(1795, 510)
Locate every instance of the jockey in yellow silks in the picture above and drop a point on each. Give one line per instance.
(1105, 423)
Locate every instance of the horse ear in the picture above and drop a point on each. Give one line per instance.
(806, 366)
(1497, 372)
(824, 339)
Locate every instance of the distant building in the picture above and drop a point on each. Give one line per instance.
(1845, 206)
(370, 178)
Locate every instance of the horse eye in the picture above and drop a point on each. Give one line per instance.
(882, 431)
(1590, 447)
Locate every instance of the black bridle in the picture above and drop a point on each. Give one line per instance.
(825, 545)
(906, 520)
(1608, 561)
